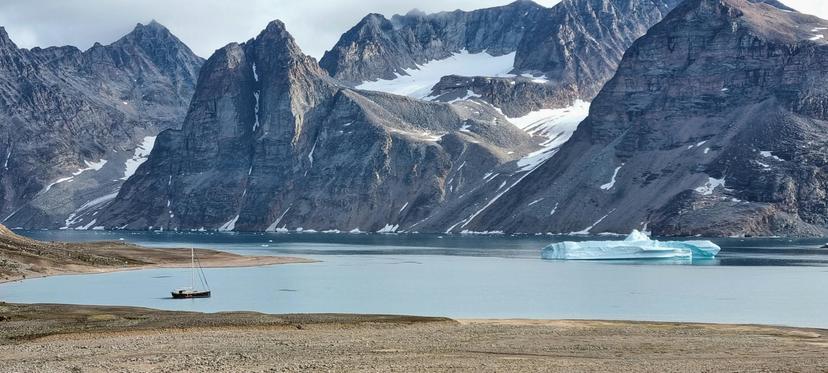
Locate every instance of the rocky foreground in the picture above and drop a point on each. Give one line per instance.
(22, 257)
(104, 339)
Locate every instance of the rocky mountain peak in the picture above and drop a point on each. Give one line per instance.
(713, 124)
(151, 32)
(276, 41)
(5, 40)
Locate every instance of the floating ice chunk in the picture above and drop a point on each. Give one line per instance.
(636, 246)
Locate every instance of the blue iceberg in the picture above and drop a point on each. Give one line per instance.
(636, 246)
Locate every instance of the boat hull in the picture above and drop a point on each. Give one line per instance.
(190, 294)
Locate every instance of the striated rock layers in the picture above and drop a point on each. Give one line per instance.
(272, 142)
(70, 120)
(714, 124)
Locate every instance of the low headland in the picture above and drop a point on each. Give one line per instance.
(22, 257)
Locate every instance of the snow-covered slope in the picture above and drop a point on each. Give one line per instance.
(556, 126)
(419, 81)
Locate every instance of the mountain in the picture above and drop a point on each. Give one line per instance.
(75, 124)
(272, 142)
(556, 55)
(379, 48)
(714, 124)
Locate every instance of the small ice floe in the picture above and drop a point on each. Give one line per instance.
(636, 246)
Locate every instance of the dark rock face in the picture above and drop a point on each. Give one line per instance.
(63, 110)
(378, 48)
(714, 124)
(272, 142)
(580, 42)
(516, 97)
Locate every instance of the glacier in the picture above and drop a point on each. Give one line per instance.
(636, 246)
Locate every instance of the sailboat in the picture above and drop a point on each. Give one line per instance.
(192, 292)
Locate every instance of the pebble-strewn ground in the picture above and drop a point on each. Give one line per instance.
(97, 339)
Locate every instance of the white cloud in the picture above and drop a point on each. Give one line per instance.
(204, 25)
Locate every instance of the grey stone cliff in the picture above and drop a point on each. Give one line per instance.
(714, 124)
(70, 119)
(272, 142)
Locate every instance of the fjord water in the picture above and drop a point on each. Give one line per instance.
(762, 281)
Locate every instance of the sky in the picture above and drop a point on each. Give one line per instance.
(206, 25)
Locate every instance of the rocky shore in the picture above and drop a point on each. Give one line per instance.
(56, 338)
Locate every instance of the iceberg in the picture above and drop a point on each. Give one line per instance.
(636, 246)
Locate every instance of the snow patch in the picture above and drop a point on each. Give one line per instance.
(90, 166)
(611, 184)
(469, 95)
(310, 154)
(273, 227)
(419, 80)
(589, 228)
(8, 155)
(768, 154)
(556, 125)
(230, 225)
(711, 185)
(256, 96)
(388, 228)
(142, 151)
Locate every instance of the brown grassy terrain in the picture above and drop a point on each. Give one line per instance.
(22, 257)
(60, 338)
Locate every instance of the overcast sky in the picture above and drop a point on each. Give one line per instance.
(206, 25)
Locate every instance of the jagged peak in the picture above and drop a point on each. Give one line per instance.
(372, 22)
(5, 40)
(151, 29)
(275, 39)
(152, 25)
(416, 12)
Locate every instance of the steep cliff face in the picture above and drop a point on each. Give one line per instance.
(70, 121)
(580, 42)
(714, 124)
(272, 142)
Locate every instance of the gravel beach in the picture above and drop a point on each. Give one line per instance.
(59, 338)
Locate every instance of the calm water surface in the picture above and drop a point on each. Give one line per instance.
(765, 281)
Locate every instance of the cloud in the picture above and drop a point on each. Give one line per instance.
(206, 25)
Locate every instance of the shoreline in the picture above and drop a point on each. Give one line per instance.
(243, 261)
(24, 258)
(56, 337)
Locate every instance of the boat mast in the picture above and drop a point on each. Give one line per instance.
(192, 266)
